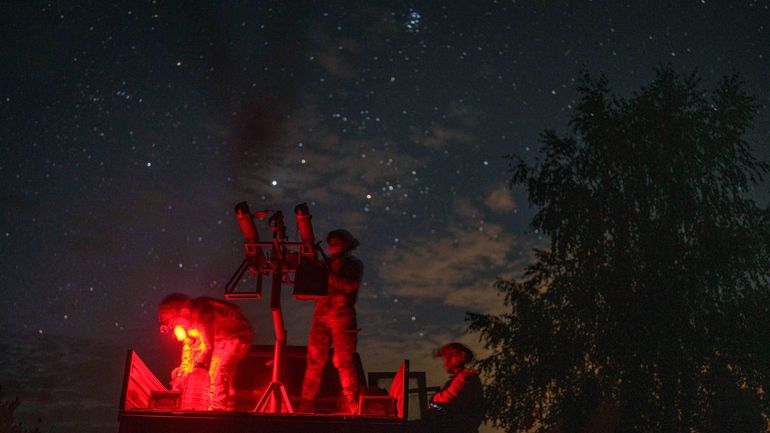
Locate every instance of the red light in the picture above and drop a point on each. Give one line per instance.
(180, 333)
(193, 347)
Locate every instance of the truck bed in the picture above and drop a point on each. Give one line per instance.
(141, 412)
(240, 422)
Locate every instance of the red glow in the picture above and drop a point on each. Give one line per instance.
(193, 348)
(180, 333)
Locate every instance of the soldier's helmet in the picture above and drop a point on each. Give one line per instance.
(455, 348)
(344, 236)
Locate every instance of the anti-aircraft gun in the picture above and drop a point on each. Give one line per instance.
(279, 259)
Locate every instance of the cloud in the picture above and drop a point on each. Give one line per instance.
(439, 136)
(319, 163)
(467, 115)
(460, 119)
(457, 267)
(500, 200)
(459, 270)
(333, 62)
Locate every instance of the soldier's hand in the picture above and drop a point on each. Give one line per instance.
(176, 380)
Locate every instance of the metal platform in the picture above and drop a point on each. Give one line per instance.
(141, 412)
(239, 422)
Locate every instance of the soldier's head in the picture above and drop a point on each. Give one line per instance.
(455, 356)
(341, 241)
(174, 310)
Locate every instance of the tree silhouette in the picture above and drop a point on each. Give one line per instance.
(649, 310)
(8, 423)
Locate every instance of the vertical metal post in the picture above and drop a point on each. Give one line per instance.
(280, 334)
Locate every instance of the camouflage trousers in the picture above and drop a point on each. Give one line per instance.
(337, 329)
(224, 358)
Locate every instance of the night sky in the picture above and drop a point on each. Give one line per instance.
(129, 131)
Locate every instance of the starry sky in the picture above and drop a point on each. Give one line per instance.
(129, 130)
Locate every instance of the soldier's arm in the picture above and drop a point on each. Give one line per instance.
(453, 392)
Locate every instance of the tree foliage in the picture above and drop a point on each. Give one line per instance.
(649, 310)
(8, 423)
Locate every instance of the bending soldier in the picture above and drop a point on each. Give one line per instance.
(223, 336)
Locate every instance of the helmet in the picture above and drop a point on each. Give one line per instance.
(170, 309)
(175, 301)
(455, 349)
(345, 236)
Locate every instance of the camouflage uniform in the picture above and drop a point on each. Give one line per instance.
(463, 399)
(226, 336)
(232, 335)
(334, 323)
(459, 406)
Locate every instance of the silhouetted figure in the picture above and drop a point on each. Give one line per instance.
(334, 324)
(459, 406)
(214, 331)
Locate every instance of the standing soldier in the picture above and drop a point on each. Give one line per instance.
(223, 332)
(334, 323)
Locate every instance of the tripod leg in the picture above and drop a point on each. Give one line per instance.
(286, 400)
(262, 405)
(275, 393)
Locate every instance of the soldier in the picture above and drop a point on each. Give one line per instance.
(334, 323)
(459, 405)
(223, 332)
